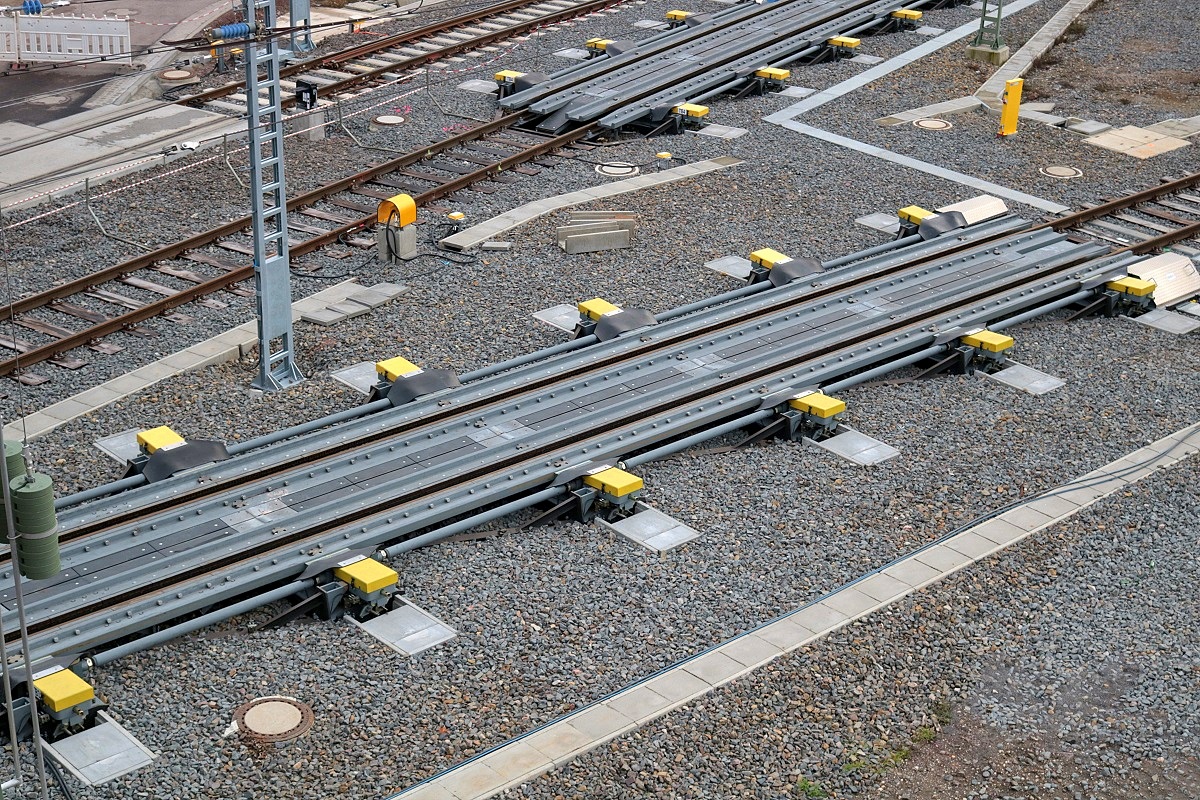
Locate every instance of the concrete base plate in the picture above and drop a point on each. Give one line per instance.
(651, 25)
(721, 131)
(408, 629)
(857, 447)
(929, 30)
(1192, 308)
(653, 529)
(563, 316)
(360, 377)
(796, 91)
(481, 87)
(884, 223)
(1027, 379)
(866, 59)
(573, 53)
(1168, 321)
(733, 266)
(120, 447)
(100, 753)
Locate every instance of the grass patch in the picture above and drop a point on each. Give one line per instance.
(925, 735)
(807, 788)
(942, 712)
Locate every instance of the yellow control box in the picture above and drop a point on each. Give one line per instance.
(394, 368)
(908, 14)
(1132, 286)
(691, 110)
(63, 690)
(914, 214)
(845, 41)
(988, 340)
(367, 575)
(616, 482)
(597, 308)
(773, 73)
(768, 258)
(508, 76)
(817, 404)
(160, 438)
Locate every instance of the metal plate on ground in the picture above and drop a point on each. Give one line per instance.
(574, 53)
(1027, 379)
(733, 266)
(100, 753)
(653, 529)
(857, 447)
(927, 30)
(651, 25)
(563, 316)
(796, 91)
(408, 629)
(120, 447)
(884, 223)
(360, 377)
(1192, 308)
(1168, 321)
(866, 59)
(481, 87)
(721, 131)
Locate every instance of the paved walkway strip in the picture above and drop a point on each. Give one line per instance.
(477, 234)
(333, 304)
(557, 743)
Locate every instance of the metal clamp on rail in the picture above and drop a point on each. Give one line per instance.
(812, 415)
(66, 702)
(506, 82)
(163, 452)
(771, 265)
(401, 381)
(917, 221)
(606, 321)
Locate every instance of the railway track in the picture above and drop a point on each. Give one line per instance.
(342, 75)
(172, 276)
(624, 395)
(203, 265)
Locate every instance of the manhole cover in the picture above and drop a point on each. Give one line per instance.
(933, 124)
(1062, 172)
(389, 119)
(273, 719)
(175, 74)
(121, 12)
(49, 100)
(618, 169)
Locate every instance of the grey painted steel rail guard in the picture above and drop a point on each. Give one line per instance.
(320, 496)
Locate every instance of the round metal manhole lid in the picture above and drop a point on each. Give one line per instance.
(49, 100)
(933, 124)
(618, 169)
(388, 119)
(1062, 172)
(175, 74)
(273, 719)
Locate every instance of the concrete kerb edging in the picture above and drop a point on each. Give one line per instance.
(1021, 61)
(478, 234)
(560, 741)
(227, 346)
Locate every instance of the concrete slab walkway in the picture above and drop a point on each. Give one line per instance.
(557, 743)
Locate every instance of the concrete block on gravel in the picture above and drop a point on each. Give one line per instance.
(750, 650)
(558, 741)
(820, 618)
(369, 298)
(562, 232)
(593, 242)
(516, 760)
(714, 667)
(785, 634)
(639, 703)
(600, 721)
(323, 316)
(472, 780)
(389, 289)
(677, 685)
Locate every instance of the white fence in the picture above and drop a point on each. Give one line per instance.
(37, 38)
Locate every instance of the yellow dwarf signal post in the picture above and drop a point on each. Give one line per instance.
(1011, 106)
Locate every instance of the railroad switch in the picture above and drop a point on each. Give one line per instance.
(371, 585)
(68, 702)
(675, 18)
(596, 46)
(506, 82)
(843, 46)
(812, 415)
(395, 233)
(985, 349)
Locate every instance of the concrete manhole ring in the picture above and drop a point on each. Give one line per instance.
(933, 124)
(121, 12)
(50, 100)
(175, 74)
(387, 120)
(618, 169)
(1065, 173)
(273, 719)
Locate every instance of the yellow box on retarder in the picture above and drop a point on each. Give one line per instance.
(597, 308)
(393, 368)
(818, 404)
(160, 438)
(989, 340)
(63, 690)
(616, 482)
(367, 575)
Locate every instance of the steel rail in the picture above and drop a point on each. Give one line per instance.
(752, 378)
(406, 37)
(156, 307)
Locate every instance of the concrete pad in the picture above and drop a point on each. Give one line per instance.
(942, 558)
(733, 266)
(857, 447)
(360, 377)
(1164, 320)
(795, 91)
(600, 721)
(1030, 517)
(1089, 127)
(971, 544)
(851, 602)
(882, 222)
(408, 629)
(1045, 108)
(574, 53)
(819, 618)
(100, 753)
(120, 447)
(927, 30)
(721, 131)
(323, 317)
(479, 87)
(369, 298)
(475, 779)
(676, 685)
(653, 529)
(558, 740)
(517, 759)
(53, 158)
(866, 59)
(428, 791)
(1027, 379)
(785, 634)
(883, 587)
(563, 316)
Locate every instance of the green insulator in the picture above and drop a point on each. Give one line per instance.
(33, 503)
(14, 454)
(39, 555)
